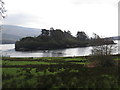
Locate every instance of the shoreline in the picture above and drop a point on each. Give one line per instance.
(41, 48)
(61, 57)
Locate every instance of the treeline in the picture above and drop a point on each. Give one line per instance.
(57, 39)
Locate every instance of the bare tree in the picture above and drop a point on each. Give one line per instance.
(103, 50)
(102, 56)
(2, 16)
(2, 9)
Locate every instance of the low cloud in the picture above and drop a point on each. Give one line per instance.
(21, 19)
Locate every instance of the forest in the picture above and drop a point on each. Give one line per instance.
(58, 39)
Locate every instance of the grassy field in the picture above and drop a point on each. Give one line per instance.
(58, 72)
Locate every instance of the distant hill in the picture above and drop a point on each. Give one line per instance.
(10, 33)
(8, 38)
(115, 38)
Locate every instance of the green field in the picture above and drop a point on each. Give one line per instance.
(58, 72)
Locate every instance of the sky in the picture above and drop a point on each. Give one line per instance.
(90, 16)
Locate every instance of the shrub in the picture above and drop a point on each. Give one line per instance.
(101, 56)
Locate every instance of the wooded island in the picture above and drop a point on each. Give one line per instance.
(58, 39)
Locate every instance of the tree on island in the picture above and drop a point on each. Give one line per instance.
(82, 35)
(95, 36)
(44, 32)
(57, 39)
(96, 40)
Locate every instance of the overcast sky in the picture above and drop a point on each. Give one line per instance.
(98, 16)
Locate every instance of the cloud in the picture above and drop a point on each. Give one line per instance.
(119, 18)
(21, 19)
(64, 14)
(86, 1)
(77, 2)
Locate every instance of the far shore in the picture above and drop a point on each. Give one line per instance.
(116, 55)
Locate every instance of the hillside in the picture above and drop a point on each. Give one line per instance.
(115, 38)
(11, 33)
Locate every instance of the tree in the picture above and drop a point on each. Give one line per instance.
(101, 55)
(2, 16)
(82, 35)
(69, 32)
(103, 50)
(2, 9)
(96, 40)
(57, 34)
(45, 32)
(95, 36)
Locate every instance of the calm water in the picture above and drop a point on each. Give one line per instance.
(8, 49)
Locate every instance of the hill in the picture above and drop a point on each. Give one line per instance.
(115, 38)
(11, 33)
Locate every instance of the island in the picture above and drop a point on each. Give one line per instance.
(58, 39)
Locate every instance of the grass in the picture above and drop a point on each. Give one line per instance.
(117, 58)
(43, 60)
(25, 62)
(75, 59)
(83, 63)
(11, 71)
(60, 72)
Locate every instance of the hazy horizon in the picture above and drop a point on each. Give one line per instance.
(49, 29)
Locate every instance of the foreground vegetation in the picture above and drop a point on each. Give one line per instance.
(58, 72)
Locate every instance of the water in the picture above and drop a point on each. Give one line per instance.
(9, 50)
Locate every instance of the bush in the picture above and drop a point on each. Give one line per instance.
(103, 61)
(101, 56)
